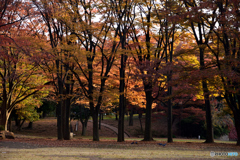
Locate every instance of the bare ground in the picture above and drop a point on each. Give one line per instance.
(48, 128)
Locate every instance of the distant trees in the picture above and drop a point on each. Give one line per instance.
(81, 113)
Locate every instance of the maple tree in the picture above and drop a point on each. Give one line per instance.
(93, 57)
(153, 37)
(122, 11)
(18, 73)
(55, 62)
(226, 52)
(202, 24)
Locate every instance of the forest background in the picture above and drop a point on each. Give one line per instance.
(178, 57)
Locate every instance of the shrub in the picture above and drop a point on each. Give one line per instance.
(233, 133)
(220, 130)
(191, 127)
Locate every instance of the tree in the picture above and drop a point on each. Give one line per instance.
(12, 12)
(152, 41)
(144, 57)
(55, 62)
(202, 24)
(122, 10)
(17, 70)
(226, 52)
(93, 57)
(27, 110)
(19, 79)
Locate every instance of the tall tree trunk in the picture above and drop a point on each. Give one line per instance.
(148, 86)
(121, 99)
(169, 78)
(66, 119)
(148, 117)
(59, 120)
(233, 104)
(170, 116)
(237, 125)
(63, 116)
(67, 106)
(59, 110)
(4, 111)
(95, 125)
(209, 133)
(94, 110)
(3, 118)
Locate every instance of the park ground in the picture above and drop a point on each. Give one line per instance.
(41, 143)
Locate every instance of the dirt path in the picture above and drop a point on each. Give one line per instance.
(115, 129)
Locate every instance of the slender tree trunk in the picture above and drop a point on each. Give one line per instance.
(140, 121)
(131, 118)
(21, 124)
(84, 127)
(116, 114)
(4, 120)
(100, 121)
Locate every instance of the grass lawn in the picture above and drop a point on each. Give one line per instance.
(41, 143)
(110, 149)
